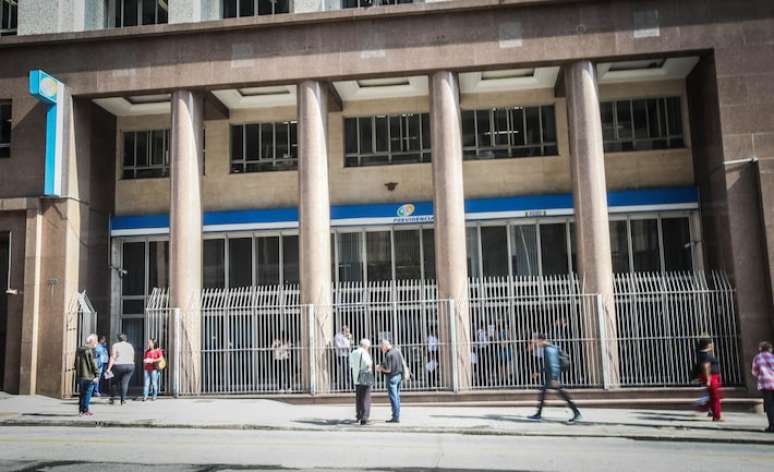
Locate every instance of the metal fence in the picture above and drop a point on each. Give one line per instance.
(80, 322)
(261, 340)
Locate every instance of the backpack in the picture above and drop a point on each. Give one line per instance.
(564, 360)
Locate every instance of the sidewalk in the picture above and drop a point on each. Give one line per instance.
(661, 425)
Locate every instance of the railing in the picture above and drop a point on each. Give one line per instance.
(261, 340)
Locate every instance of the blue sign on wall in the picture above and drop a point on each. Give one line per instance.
(51, 92)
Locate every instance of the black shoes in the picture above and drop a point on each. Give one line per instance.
(575, 418)
(392, 420)
(536, 418)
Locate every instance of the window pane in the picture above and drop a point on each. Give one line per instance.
(290, 259)
(149, 12)
(350, 257)
(674, 116)
(240, 262)
(229, 8)
(246, 8)
(428, 248)
(237, 151)
(378, 255)
(484, 132)
(501, 128)
(408, 263)
(533, 125)
(294, 140)
(624, 112)
(163, 14)
(397, 143)
(282, 151)
(130, 13)
(214, 262)
(549, 124)
(133, 262)
(142, 148)
(468, 128)
(524, 255)
(471, 234)
(553, 248)
(364, 125)
(640, 119)
(608, 126)
(413, 132)
(645, 245)
(265, 7)
(267, 141)
(5, 124)
(619, 246)
(677, 244)
(425, 118)
(350, 135)
(157, 147)
(494, 250)
(128, 149)
(517, 125)
(251, 142)
(282, 6)
(267, 260)
(381, 134)
(158, 264)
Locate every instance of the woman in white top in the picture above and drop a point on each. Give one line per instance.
(120, 367)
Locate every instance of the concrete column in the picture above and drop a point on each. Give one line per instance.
(449, 211)
(185, 229)
(592, 225)
(28, 369)
(314, 231)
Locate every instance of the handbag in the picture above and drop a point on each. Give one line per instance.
(364, 377)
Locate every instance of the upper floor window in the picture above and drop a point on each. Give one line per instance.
(264, 147)
(240, 8)
(382, 140)
(642, 124)
(5, 130)
(497, 133)
(8, 17)
(123, 13)
(371, 3)
(146, 154)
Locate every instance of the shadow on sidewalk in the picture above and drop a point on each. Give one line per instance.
(326, 422)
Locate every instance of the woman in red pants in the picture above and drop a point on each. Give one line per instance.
(708, 369)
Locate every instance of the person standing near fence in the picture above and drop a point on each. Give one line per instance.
(343, 344)
(361, 366)
(708, 369)
(102, 358)
(392, 368)
(552, 377)
(151, 360)
(120, 367)
(86, 373)
(763, 370)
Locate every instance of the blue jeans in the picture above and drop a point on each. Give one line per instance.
(101, 371)
(85, 389)
(393, 391)
(151, 380)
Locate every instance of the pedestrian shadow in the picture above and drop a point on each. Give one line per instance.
(671, 417)
(517, 419)
(326, 422)
(51, 415)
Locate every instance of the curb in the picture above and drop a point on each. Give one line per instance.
(765, 439)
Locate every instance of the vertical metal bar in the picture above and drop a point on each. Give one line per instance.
(453, 348)
(600, 307)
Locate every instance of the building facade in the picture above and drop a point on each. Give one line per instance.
(206, 144)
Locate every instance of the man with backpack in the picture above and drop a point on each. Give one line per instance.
(555, 361)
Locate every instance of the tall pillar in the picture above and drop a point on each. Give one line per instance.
(592, 225)
(185, 229)
(314, 230)
(449, 211)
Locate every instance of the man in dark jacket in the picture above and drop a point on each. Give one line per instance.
(552, 377)
(86, 373)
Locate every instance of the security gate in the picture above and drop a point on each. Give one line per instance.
(80, 322)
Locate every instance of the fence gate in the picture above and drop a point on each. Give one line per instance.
(80, 321)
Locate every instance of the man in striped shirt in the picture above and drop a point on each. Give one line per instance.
(763, 370)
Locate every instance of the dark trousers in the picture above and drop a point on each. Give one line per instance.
(362, 402)
(768, 405)
(123, 374)
(561, 393)
(85, 390)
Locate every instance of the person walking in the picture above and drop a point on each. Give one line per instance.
(151, 360)
(361, 366)
(552, 377)
(102, 357)
(393, 368)
(120, 367)
(343, 344)
(763, 370)
(87, 374)
(708, 369)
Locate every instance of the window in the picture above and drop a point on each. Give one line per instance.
(240, 262)
(5, 130)
(133, 278)
(499, 133)
(9, 17)
(214, 261)
(524, 250)
(371, 3)
(378, 256)
(290, 259)
(408, 261)
(241, 8)
(471, 243)
(158, 264)
(619, 245)
(267, 260)
(350, 257)
(677, 244)
(553, 249)
(384, 140)
(146, 154)
(642, 124)
(264, 147)
(494, 250)
(137, 12)
(645, 245)
(428, 253)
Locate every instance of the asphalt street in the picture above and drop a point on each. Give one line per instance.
(63, 449)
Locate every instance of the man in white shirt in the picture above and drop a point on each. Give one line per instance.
(342, 343)
(361, 366)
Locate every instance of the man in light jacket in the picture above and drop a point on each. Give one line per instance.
(361, 364)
